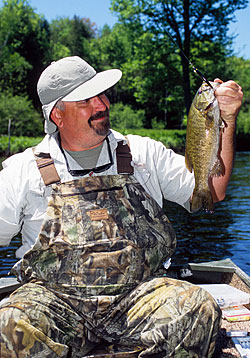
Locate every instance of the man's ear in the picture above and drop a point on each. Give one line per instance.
(56, 116)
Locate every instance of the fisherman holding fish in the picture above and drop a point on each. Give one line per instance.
(88, 203)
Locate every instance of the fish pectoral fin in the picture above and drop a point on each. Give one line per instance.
(218, 169)
(202, 199)
(188, 163)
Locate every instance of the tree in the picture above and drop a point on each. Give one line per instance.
(25, 120)
(239, 69)
(24, 48)
(143, 59)
(112, 48)
(185, 21)
(71, 37)
(151, 83)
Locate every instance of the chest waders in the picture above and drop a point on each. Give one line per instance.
(89, 284)
(100, 235)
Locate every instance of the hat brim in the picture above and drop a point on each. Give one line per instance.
(99, 83)
(96, 85)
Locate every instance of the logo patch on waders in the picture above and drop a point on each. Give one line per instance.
(99, 214)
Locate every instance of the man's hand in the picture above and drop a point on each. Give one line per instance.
(229, 96)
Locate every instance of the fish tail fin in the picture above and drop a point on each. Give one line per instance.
(202, 199)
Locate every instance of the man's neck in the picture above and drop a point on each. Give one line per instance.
(80, 145)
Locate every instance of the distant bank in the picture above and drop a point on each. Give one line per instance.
(171, 138)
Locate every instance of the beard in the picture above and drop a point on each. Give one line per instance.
(100, 128)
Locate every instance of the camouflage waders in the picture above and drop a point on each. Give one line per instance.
(90, 281)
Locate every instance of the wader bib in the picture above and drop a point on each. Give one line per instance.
(101, 235)
(89, 275)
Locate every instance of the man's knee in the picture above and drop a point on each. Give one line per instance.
(20, 336)
(11, 336)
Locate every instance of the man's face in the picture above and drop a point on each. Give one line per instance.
(86, 121)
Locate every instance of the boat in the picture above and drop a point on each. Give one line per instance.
(212, 272)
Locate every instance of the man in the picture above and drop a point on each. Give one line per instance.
(88, 203)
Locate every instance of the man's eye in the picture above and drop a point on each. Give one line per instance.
(82, 102)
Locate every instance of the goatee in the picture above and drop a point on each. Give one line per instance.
(101, 128)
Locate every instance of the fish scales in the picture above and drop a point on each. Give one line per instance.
(202, 145)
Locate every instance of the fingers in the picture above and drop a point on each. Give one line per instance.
(218, 80)
(229, 95)
(227, 85)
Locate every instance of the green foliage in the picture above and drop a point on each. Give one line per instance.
(174, 139)
(157, 82)
(210, 58)
(112, 49)
(243, 122)
(152, 74)
(239, 70)
(25, 120)
(69, 37)
(123, 116)
(17, 144)
(23, 48)
(184, 21)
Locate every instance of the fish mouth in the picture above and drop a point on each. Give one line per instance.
(206, 89)
(210, 104)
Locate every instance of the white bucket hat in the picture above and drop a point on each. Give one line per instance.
(71, 79)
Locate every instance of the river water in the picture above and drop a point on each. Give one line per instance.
(224, 234)
(201, 236)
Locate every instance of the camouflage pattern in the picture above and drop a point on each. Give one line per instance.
(161, 316)
(100, 233)
(90, 285)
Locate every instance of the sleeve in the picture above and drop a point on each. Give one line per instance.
(161, 171)
(10, 213)
(176, 182)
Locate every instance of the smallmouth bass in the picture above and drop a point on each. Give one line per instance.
(202, 145)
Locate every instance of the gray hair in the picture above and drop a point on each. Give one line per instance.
(60, 105)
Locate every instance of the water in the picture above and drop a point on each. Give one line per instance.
(224, 234)
(202, 237)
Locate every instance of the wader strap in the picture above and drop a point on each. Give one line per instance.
(47, 168)
(50, 176)
(124, 158)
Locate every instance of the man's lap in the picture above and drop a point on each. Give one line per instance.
(158, 315)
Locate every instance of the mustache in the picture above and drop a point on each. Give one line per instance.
(99, 114)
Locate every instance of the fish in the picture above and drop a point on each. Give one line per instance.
(202, 145)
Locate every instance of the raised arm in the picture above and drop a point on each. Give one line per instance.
(229, 96)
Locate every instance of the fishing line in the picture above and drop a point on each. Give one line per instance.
(195, 69)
